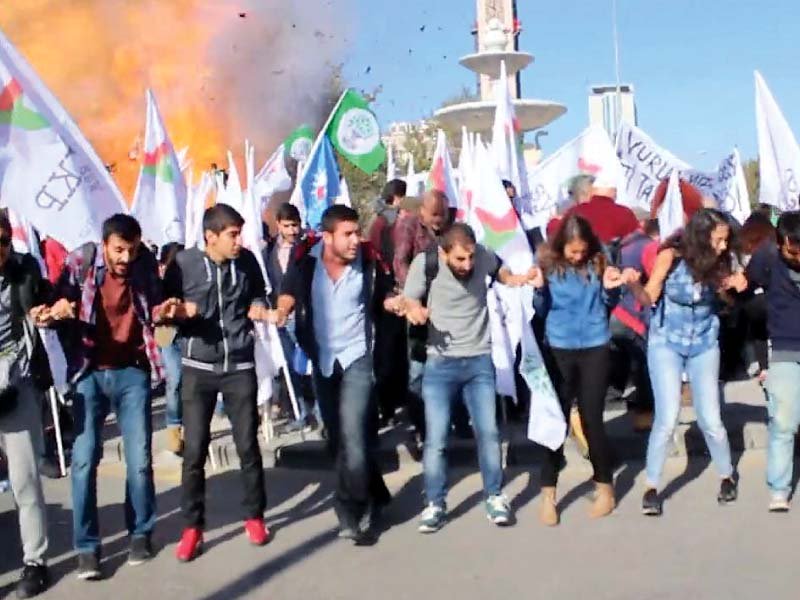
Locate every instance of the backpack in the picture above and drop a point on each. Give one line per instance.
(418, 334)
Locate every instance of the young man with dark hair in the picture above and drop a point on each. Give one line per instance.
(222, 292)
(277, 255)
(459, 364)
(111, 295)
(24, 374)
(336, 289)
(776, 268)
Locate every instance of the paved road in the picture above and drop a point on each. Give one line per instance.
(697, 550)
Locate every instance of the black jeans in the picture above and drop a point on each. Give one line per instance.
(629, 351)
(199, 396)
(348, 408)
(391, 364)
(581, 374)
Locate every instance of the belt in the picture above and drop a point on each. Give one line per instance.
(216, 367)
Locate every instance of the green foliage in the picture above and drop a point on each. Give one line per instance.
(751, 175)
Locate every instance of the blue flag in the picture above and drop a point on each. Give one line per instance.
(319, 185)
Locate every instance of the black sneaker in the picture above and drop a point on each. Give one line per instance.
(651, 503)
(728, 491)
(33, 581)
(140, 550)
(89, 567)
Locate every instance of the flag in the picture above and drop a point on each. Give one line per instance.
(391, 167)
(493, 217)
(507, 147)
(272, 178)
(159, 203)
(298, 144)
(184, 162)
(195, 209)
(344, 194)
(318, 184)
(230, 192)
(49, 172)
(355, 134)
(441, 177)
(670, 215)
(727, 186)
(591, 153)
(778, 153)
(466, 175)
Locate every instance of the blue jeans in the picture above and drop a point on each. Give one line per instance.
(783, 389)
(171, 355)
(127, 391)
(349, 412)
(666, 366)
(447, 380)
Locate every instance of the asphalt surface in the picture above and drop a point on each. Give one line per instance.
(696, 550)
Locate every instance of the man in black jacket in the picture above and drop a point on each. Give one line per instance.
(223, 292)
(24, 369)
(335, 289)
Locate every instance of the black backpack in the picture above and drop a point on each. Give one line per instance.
(418, 334)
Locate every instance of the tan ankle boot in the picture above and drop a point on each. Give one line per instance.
(548, 512)
(604, 502)
(174, 439)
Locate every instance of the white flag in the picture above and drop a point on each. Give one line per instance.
(441, 176)
(591, 153)
(727, 186)
(273, 177)
(670, 214)
(49, 172)
(778, 152)
(507, 138)
(184, 162)
(159, 203)
(195, 209)
(344, 194)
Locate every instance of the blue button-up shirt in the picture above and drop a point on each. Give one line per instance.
(340, 314)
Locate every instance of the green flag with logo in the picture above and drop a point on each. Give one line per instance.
(355, 134)
(298, 144)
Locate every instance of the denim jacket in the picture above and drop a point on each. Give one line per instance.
(685, 318)
(575, 307)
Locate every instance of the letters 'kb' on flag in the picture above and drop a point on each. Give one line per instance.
(355, 134)
(159, 203)
(318, 185)
(49, 172)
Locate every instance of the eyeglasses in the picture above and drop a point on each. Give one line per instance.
(5, 241)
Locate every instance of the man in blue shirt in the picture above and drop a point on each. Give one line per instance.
(336, 288)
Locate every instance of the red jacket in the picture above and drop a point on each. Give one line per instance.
(608, 219)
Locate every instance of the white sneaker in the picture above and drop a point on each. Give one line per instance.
(432, 519)
(498, 510)
(779, 503)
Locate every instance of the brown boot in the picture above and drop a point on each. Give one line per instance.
(604, 502)
(548, 512)
(174, 440)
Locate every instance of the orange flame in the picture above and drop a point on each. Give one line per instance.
(215, 67)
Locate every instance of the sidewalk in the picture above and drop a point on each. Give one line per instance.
(745, 416)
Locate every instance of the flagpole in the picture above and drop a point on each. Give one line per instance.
(321, 134)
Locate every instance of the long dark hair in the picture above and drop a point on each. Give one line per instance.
(574, 227)
(693, 245)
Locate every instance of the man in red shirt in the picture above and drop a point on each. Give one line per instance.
(609, 220)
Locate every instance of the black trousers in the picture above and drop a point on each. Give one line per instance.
(581, 374)
(391, 363)
(347, 404)
(199, 396)
(629, 354)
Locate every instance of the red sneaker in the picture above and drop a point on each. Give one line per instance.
(191, 544)
(257, 533)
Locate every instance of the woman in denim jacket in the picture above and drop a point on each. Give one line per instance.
(573, 291)
(692, 270)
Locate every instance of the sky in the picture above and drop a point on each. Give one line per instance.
(691, 63)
